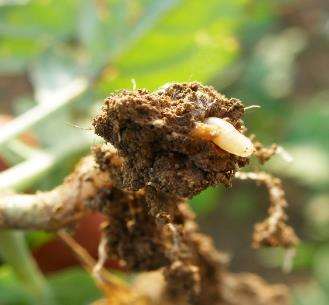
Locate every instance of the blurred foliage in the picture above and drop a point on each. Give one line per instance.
(71, 287)
(73, 53)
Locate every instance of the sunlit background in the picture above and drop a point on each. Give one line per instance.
(60, 58)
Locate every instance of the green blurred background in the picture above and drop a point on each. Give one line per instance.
(60, 58)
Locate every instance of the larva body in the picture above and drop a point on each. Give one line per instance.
(225, 136)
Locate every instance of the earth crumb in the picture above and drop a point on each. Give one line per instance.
(152, 132)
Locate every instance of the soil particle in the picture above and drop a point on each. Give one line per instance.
(262, 153)
(133, 237)
(152, 132)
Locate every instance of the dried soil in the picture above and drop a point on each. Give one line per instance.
(152, 132)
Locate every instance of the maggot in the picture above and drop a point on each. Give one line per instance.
(225, 136)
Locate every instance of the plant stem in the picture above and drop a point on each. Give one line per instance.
(14, 251)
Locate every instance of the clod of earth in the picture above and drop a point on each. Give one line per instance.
(155, 134)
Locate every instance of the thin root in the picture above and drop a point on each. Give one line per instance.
(102, 255)
(252, 107)
(273, 231)
(88, 262)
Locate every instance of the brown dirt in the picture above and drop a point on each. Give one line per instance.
(152, 132)
(133, 236)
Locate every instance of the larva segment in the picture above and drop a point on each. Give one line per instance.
(225, 136)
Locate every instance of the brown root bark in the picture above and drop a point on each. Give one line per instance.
(58, 208)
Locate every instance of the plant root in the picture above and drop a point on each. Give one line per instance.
(61, 207)
(273, 231)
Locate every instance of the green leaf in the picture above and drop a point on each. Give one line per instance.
(108, 28)
(309, 294)
(206, 201)
(177, 49)
(36, 239)
(13, 2)
(310, 165)
(309, 123)
(317, 216)
(16, 53)
(321, 267)
(71, 287)
(11, 292)
(27, 30)
(38, 19)
(74, 287)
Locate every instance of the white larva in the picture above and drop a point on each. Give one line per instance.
(225, 136)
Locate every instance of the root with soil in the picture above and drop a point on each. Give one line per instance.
(161, 148)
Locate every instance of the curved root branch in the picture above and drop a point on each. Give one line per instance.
(58, 208)
(273, 231)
